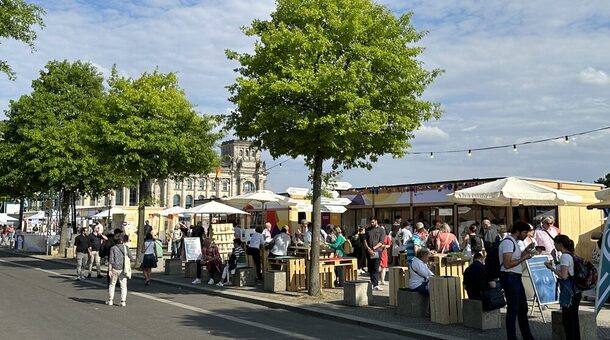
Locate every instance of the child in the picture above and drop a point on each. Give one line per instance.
(229, 269)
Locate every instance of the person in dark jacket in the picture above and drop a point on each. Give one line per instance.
(475, 278)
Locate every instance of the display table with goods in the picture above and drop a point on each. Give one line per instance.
(223, 236)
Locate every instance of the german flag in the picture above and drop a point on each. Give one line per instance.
(218, 172)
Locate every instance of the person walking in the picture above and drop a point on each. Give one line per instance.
(105, 251)
(119, 267)
(511, 257)
(374, 246)
(569, 294)
(81, 253)
(150, 257)
(95, 244)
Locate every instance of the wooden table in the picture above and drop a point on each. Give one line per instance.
(305, 252)
(327, 270)
(294, 268)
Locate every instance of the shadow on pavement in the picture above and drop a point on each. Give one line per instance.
(87, 301)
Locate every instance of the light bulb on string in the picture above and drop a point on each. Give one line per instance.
(515, 147)
(280, 165)
(567, 140)
(469, 153)
(431, 154)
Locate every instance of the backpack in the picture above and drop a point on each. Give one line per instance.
(347, 247)
(492, 261)
(476, 243)
(585, 273)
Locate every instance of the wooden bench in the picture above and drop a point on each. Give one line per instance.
(411, 303)
(586, 320)
(357, 293)
(327, 270)
(475, 317)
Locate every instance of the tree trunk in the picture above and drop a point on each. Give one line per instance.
(314, 263)
(144, 199)
(64, 235)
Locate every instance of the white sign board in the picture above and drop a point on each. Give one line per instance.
(192, 248)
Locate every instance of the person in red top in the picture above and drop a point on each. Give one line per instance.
(445, 241)
(387, 244)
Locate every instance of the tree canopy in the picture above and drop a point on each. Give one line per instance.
(331, 80)
(16, 20)
(604, 180)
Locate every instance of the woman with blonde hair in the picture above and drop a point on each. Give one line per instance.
(446, 241)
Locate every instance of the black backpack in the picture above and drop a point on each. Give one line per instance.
(476, 243)
(492, 261)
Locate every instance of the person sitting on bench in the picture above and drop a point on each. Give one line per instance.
(419, 274)
(475, 277)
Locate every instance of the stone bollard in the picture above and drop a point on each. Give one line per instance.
(357, 293)
(411, 304)
(244, 276)
(190, 269)
(275, 281)
(173, 267)
(475, 317)
(399, 277)
(587, 323)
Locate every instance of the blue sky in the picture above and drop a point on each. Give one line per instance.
(514, 71)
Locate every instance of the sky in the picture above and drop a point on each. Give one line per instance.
(514, 71)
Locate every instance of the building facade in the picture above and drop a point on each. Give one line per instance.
(242, 171)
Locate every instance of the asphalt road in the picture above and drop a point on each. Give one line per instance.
(41, 300)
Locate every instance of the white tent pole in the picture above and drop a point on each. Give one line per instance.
(510, 213)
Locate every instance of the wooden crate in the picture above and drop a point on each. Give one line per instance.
(445, 266)
(402, 260)
(445, 299)
(327, 270)
(399, 278)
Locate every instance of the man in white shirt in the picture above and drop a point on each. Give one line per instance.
(511, 257)
(281, 242)
(257, 241)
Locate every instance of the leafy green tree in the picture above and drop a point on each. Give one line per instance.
(605, 181)
(51, 134)
(331, 80)
(16, 20)
(151, 131)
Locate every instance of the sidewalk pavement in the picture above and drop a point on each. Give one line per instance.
(377, 316)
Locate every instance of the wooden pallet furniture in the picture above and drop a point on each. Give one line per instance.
(445, 299)
(443, 265)
(399, 278)
(294, 267)
(327, 270)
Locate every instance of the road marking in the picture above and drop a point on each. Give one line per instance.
(179, 305)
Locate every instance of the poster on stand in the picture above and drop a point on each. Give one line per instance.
(543, 280)
(192, 248)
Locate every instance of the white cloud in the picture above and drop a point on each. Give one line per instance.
(430, 135)
(593, 76)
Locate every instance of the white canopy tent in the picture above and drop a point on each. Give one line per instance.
(513, 191)
(39, 215)
(4, 218)
(111, 212)
(214, 208)
(171, 211)
(604, 197)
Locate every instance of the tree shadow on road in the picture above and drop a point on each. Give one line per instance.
(87, 301)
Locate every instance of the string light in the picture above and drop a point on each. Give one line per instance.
(431, 154)
(280, 165)
(469, 153)
(565, 138)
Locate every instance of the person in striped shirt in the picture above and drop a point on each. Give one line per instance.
(229, 268)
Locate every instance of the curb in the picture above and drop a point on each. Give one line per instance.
(309, 310)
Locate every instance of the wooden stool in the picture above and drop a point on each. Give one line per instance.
(399, 276)
(357, 293)
(275, 281)
(475, 317)
(412, 304)
(586, 321)
(445, 299)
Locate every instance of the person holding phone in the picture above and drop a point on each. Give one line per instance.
(511, 256)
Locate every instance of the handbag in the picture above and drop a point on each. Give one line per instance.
(493, 298)
(126, 263)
